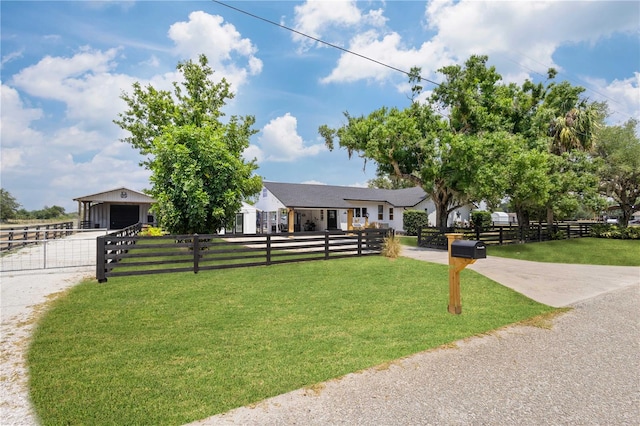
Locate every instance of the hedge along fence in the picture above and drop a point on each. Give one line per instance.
(499, 235)
(126, 253)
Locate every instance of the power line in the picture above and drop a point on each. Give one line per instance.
(376, 61)
(322, 41)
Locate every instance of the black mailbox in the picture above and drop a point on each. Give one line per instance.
(468, 249)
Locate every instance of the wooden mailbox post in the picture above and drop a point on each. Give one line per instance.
(457, 264)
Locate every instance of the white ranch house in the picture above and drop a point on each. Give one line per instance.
(293, 207)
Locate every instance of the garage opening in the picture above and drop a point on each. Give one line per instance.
(123, 216)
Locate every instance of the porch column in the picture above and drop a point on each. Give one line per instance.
(290, 219)
(350, 220)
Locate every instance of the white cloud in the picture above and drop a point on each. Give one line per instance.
(12, 56)
(525, 33)
(11, 158)
(220, 42)
(316, 17)
(387, 49)
(622, 97)
(520, 37)
(279, 142)
(83, 82)
(16, 119)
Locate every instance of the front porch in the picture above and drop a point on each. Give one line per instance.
(312, 220)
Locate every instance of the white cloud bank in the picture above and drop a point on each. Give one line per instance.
(279, 141)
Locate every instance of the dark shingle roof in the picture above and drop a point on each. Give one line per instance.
(326, 196)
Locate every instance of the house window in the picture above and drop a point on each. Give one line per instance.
(321, 214)
(390, 213)
(264, 192)
(357, 212)
(380, 212)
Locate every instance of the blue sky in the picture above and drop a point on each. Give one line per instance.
(64, 65)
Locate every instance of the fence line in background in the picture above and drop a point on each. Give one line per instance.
(125, 253)
(15, 237)
(500, 235)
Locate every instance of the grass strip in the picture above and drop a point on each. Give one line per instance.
(583, 251)
(173, 348)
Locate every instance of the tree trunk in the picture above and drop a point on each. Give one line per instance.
(442, 215)
(550, 219)
(523, 217)
(627, 211)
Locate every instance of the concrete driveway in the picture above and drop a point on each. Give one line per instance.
(554, 284)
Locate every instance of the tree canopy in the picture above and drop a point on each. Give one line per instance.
(476, 138)
(619, 173)
(199, 178)
(8, 205)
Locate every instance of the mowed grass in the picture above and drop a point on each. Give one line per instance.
(170, 349)
(585, 251)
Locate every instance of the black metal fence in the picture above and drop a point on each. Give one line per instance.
(499, 235)
(126, 253)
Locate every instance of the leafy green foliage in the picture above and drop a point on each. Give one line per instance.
(616, 232)
(619, 150)
(413, 220)
(481, 219)
(199, 177)
(8, 206)
(152, 231)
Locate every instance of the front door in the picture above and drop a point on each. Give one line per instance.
(239, 224)
(332, 219)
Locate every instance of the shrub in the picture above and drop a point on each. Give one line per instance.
(152, 232)
(481, 219)
(391, 247)
(615, 232)
(413, 220)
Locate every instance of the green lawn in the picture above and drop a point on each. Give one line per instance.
(173, 348)
(586, 251)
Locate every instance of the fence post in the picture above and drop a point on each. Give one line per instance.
(568, 231)
(196, 253)
(326, 245)
(419, 236)
(501, 238)
(100, 260)
(360, 242)
(539, 233)
(268, 249)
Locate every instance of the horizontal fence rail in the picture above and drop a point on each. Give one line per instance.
(127, 253)
(15, 237)
(500, 235)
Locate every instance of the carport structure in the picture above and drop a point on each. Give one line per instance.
(114, 209)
